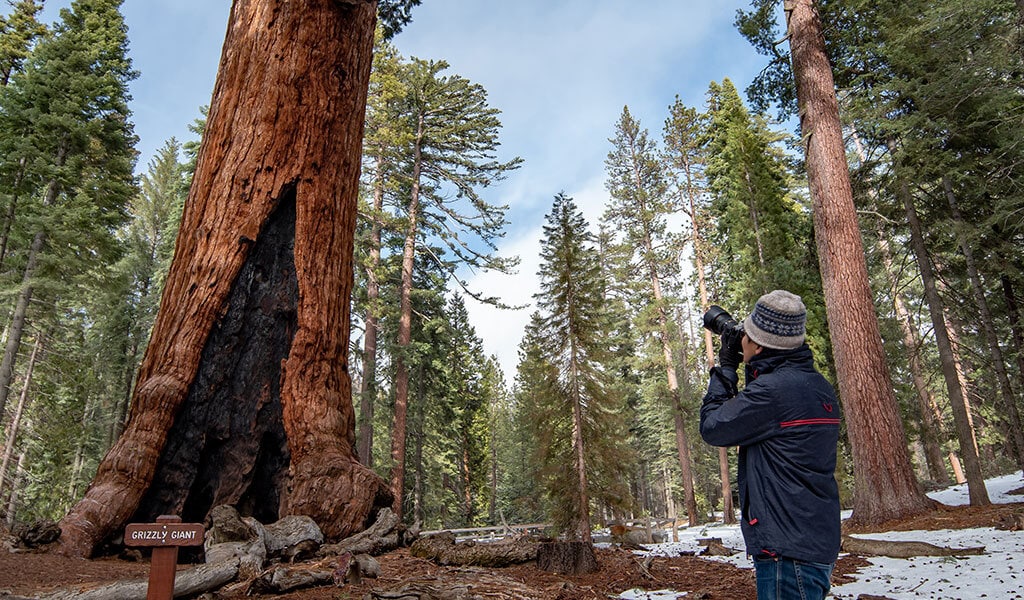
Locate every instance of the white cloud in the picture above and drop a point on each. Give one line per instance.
(500, 329)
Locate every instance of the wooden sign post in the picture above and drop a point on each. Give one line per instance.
(164, 536)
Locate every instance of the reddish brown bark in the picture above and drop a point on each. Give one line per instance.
(257, 294)
(884, 484)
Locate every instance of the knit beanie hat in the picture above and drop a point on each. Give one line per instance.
(777, 321)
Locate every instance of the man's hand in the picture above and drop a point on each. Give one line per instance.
(730, 355)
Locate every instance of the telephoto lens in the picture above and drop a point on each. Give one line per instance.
(717, 321)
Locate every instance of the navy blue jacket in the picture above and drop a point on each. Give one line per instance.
(786, 423)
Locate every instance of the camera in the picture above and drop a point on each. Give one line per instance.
(718, 322)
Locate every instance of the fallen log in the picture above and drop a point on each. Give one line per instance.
(892, 549)
(187, 582)
(383, 536)
(442, 549)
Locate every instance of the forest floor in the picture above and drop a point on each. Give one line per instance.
(33, 574)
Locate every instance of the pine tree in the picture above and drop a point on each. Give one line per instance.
(467, 365)
(18, 32)
(885, 486)
(954, 142)
(639, 209)
(452, 148)
(930, 88)
(541, 429)
(394, 15)
(495, 393)
(386, 133)
(66, 127)
(685, 140)
(155, 213)
(763, 236)
(572, 338)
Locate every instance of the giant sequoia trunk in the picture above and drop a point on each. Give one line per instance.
(243, 396)
(884, 484)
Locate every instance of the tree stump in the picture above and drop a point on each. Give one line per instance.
(567, 557)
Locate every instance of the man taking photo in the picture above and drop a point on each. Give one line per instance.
(786, 424)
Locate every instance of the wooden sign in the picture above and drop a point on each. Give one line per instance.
(164, 536)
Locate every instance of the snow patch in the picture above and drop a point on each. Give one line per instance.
(996, 574)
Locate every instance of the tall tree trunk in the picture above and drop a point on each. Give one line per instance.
(12, 498)
(685, 460)
(884, 483)
(931, 422)
(1014, 429)
(11, 210)
(682, 439)
(1013, 311)
(15, 424)
(419, 440)
(953, 327)
(583, 497)
(961, 417)
(682, 443)
(368, 393)
(243, 395)
(405, 333)
(20, 316)
(728, 512)
(670, 502)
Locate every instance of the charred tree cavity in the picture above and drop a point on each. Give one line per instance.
(228, 444)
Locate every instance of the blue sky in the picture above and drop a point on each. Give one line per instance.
(560, 72)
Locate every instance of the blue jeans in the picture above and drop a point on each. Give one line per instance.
(788, 579)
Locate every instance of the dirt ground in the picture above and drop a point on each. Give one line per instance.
(32, 574)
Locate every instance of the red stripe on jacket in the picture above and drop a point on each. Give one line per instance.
(799, 422)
